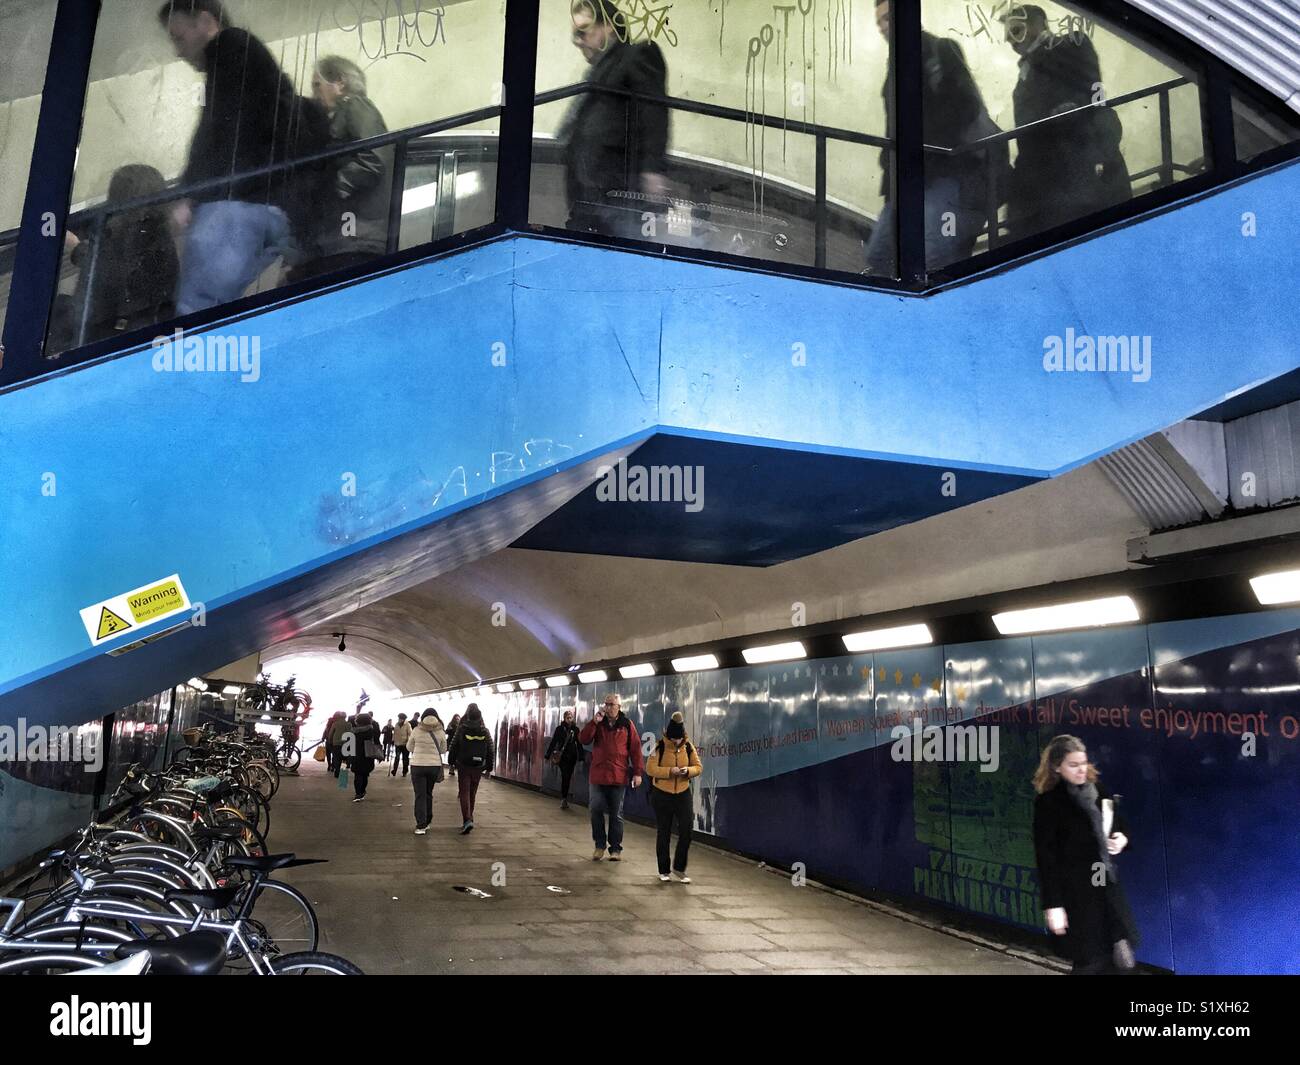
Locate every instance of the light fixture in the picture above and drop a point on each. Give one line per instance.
(640, 669)
(592, 676)
(774, 652)
(1089, 614)
(342, 636)
(507, 687)
(1273, 588)
(529, 685)
(197, 684)
(557, 681)
(232, 689)
(694, 662)
(883, 639)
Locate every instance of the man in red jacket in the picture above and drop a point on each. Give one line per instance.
(615, 744)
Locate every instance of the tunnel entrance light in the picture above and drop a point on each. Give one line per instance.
(592, 676)
(528, 685)
(1088, 614)
(693, 662)
(1273, 588)
(640, 669)
(197, 684)
(557, 681)
(232, 689)
(885, 639)
(507, 687)
(774, 652)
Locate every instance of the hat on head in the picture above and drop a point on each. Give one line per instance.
(676, 729)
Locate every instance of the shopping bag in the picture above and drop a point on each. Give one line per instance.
(343, 778)
(320, 754)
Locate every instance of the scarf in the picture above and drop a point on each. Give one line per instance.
(1085, 797)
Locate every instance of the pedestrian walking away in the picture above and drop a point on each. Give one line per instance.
(473, 753)
(615, 755)
(401, 736)
(364, 747)
(427, 744)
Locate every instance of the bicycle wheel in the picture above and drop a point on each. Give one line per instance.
(260, 779)
(290, 758)
(285, 917)
(313, 963)
(47, 964)
(252, 839)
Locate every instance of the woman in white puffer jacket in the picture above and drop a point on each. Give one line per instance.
(427, 744)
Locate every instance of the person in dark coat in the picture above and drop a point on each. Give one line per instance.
(615, 148)
(364, 740)
(1073, 166)
(568, 751)
(956, 187)
(353, 223)
(472, 752)
(251, 118)
(1078, 833)
(452, 725)
(134, 266)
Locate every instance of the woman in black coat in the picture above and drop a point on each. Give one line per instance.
(565, 743)
(1078, 832)
(365, 748)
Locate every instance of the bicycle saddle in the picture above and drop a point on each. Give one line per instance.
(226, 832)
(215, 899)
(193, 954)
(270, 862)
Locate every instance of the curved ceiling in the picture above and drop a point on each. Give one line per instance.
(1261, 38)
(520, 611)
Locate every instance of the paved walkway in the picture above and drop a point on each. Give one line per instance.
(387, 898)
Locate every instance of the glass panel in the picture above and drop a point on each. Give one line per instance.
(187, 104)
(25, 34)
(1259, 129)
(733, 164)
(1098, 118)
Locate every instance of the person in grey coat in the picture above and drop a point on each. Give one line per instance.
(354, 216)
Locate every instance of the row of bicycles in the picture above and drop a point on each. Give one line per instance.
(175, 878)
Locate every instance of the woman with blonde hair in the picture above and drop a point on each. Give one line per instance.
(1078, 833)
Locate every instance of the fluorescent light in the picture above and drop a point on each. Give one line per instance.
(1271, 588)
(507, 687)
(883, 639)
(694, 662)
(231, 689)
(529, 685)
(1085, 615)
(593, 676)
(641, 669)
(774, 652)
(558, 681)
(194, 682)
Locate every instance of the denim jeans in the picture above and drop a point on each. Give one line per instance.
(947, 240)
(423, 778)
(607, 799)
(227, 246)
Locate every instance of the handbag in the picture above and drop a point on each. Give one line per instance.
(320, 754)
(371, 749)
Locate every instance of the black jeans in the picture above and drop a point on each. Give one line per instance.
(423, 778)
(402, 757)
(333, 757)
(360, 777)
(566, 777)
(668, 808)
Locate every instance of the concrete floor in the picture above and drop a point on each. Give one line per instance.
(387, 898)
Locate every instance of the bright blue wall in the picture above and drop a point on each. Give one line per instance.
(798, 768)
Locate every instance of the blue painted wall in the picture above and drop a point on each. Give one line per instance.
(798, 768)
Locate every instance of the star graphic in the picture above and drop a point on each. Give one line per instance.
(961, 693)
(882, 672)
(937, 684)
(898, 676)
(916, 680)
(866, 672)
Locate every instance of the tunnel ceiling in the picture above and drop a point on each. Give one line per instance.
(524, 610)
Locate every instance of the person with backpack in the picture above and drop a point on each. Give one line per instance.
(252, 118)
(566, 752)
(364, 748)
(336, 732)
(615, 744)
(452, 726)
(672, 765)
(427, 744)
(401, 756)
(474, 754)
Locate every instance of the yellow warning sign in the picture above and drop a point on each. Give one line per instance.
(153, 602)
(109, 623)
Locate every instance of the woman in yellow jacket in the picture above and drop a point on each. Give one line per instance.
(671, 767)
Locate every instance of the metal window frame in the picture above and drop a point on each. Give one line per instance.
(47, 200)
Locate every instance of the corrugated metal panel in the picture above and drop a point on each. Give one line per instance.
(1151, 486)
(1264, 457)
(1261, 38)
